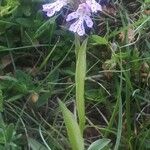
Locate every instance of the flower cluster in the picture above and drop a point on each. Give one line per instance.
(80, 17)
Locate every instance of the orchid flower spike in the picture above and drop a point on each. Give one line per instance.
(82, 14)
(81, 17)
(52, 8)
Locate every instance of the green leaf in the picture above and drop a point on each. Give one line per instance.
(24, 83)
(99, 40)
(9, 7)
(43, 99)
(35, 145)
(99, 144)
(77, 44)
(73, 130)
(9, 132)
(80, 83)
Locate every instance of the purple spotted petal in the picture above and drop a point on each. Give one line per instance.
(81, 30)
(84, 9)
(50, 13)
(52, 8)
(88, 21)
(72, 16)
(95, 7)
(78, 27)
(82, 14)
(74, 26)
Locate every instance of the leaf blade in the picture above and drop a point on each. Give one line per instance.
(99, 144)
(73, 130)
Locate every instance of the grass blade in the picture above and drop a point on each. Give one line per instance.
(119, 99)
(119, 117)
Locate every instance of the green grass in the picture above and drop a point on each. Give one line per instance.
(62, 92)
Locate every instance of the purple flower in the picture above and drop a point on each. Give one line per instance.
(82, 14)
(52, 8)
(95, 7)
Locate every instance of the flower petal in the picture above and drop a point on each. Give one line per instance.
(81, 30)
(78, 27)
(88, 21)
(50, 13)
(82, 14)
(72, 16)
(94, 5)
(74, 26)
(47, 7)
(52, 8)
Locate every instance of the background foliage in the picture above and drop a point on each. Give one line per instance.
(37, 67)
